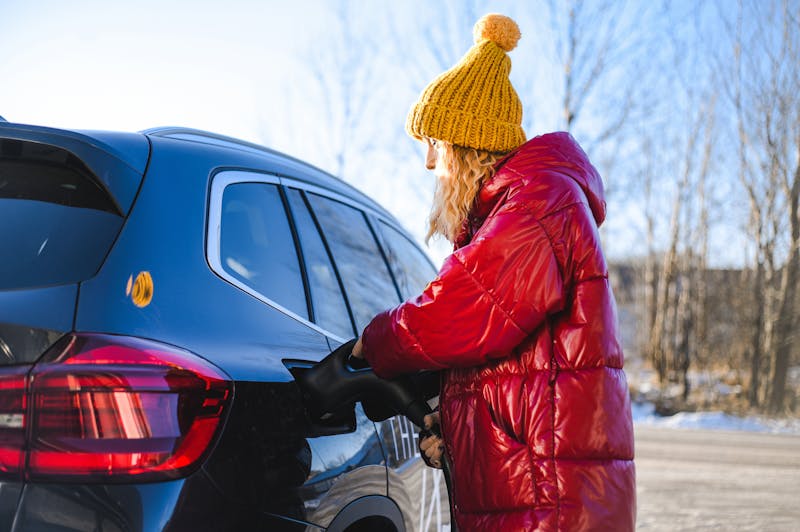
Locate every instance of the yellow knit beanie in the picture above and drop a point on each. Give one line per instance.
(474, 104)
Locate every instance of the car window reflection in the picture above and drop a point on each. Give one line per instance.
(256, 245)
(330, 310)
(365, 276)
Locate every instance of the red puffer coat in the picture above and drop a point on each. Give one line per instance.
(535, 410)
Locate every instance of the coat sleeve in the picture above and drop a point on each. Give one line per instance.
(488, 296)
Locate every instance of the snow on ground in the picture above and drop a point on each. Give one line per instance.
(644, 414)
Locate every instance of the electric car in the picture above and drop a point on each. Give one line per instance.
(152, 287)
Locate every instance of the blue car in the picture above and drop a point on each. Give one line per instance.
(152, 287)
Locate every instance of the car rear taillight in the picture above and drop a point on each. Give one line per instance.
(112, 408)
(13, 405)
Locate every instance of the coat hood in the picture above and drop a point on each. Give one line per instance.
(553, 152)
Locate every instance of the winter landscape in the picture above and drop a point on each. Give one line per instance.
(690, 110)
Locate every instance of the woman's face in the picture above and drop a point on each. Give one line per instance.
(433, 160)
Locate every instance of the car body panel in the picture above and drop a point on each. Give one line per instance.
(167, 506)
(10, 493)
(52, 307)
(419, 491)
(166, 238)
(263, 458)
(272, 466)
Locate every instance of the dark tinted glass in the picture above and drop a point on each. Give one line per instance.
(366, 278)
(19, 344)
(35, 171)
(256, 244)
(411, 268)
(56, 223)
(330, 310)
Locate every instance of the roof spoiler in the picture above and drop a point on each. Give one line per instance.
(113, 174)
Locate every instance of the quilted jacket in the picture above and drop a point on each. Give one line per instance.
(534, 404)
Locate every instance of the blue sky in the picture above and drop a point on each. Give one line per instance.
(240, 68)
(126, 65)
(280, 74)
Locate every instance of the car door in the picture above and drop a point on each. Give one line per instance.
(271, 247)
(380, 266)
(346, 465)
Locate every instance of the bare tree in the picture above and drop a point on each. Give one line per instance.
(782, 136)
(766, 98)
(444, 29)
(600, 45)
(677, 306)
(589, 44)
(344, 74)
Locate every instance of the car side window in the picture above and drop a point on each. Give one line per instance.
(330, 309)
(411, 268)
(256, 244)
(364, 273)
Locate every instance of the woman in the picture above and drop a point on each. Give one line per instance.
(534, 407)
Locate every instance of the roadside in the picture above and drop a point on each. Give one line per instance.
(644, 415)
(716, 480)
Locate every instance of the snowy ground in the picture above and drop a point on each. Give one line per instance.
(644, 415)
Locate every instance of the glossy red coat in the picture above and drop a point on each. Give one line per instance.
(534, 403)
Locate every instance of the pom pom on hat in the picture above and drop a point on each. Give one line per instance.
(499, 29)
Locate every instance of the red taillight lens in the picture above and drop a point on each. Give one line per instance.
(114, 408)
(13, 407)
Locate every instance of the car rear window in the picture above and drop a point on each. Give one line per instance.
(56, 222)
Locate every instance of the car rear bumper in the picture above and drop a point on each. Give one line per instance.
(192, 503)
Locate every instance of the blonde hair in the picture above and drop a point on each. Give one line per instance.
(466, 169)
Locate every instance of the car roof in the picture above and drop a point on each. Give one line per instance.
(303, 170)
(133, 149)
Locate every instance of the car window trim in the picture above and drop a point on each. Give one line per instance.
(306, 187)
(298, 249)
(372, 215)
(402, 234)
(218, 184)
(384, 254)
(329, 253)
(223, 178)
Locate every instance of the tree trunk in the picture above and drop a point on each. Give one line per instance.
(756, 353)
(685, 319)
(785, 324)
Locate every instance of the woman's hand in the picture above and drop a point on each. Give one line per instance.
(431, 447)
(358, 349)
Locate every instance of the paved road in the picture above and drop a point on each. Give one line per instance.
(714, 480)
